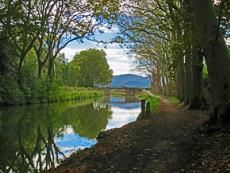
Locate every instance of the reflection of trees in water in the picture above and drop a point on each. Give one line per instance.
(90, 119)
(29, 146)
(27, 133)
(46, 152)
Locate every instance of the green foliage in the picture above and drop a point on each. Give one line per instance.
(10, 93)
(174, 100)
(105, 8)
(205, 72)
(94, 69)
(7, 55)
(32, 68)
(41, 91)
(206, 86)
(28, 88)
(32, 89)
(68, 73)
(73, 93)
(154, 103)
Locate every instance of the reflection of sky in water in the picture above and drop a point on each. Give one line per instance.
(128, 106)
(71, 142)
(123, 113)
(122, 116)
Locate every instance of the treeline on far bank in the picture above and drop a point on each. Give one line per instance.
(75, 79)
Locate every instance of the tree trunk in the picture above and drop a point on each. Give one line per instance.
(38, 52)
(187, 42)
(187, 75)
(196, 99)
(164, 87)
(39, 60)
(155, 87)
(20, 67)
(51, 67)
(216, 56)
(178, 57)
(179, 81)
(152, 81)
(40, 66)
(158, 80)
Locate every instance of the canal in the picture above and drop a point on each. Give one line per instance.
(38, 137)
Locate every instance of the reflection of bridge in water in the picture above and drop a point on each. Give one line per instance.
(125, 90)
(124, 100)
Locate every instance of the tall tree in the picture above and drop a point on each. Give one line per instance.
(94, 69)
(216, 56)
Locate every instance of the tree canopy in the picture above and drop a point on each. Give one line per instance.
(93, 68)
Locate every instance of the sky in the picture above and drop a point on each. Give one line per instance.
(118, 59)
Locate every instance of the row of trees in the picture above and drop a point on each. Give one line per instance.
(32, 35)
(176, 42)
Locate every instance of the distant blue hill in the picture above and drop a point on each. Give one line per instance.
(131, 81)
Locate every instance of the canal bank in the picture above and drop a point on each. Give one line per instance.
(51, 95)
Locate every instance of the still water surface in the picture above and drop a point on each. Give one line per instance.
(37, 137)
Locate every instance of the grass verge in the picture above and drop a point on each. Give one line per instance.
(174, 100)
(154, 101)
(69, 93)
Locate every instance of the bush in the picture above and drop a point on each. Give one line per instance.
(44, 90)
(10, 93)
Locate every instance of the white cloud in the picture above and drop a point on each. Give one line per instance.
(122, 117)
(70, 52)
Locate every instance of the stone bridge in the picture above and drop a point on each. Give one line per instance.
(127, 91)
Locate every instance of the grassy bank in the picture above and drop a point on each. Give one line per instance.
(71, 93)
(117, 92)
(51, 95)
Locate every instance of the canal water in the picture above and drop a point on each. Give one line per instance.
(38, 137)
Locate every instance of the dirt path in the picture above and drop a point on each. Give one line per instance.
(163, 143)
